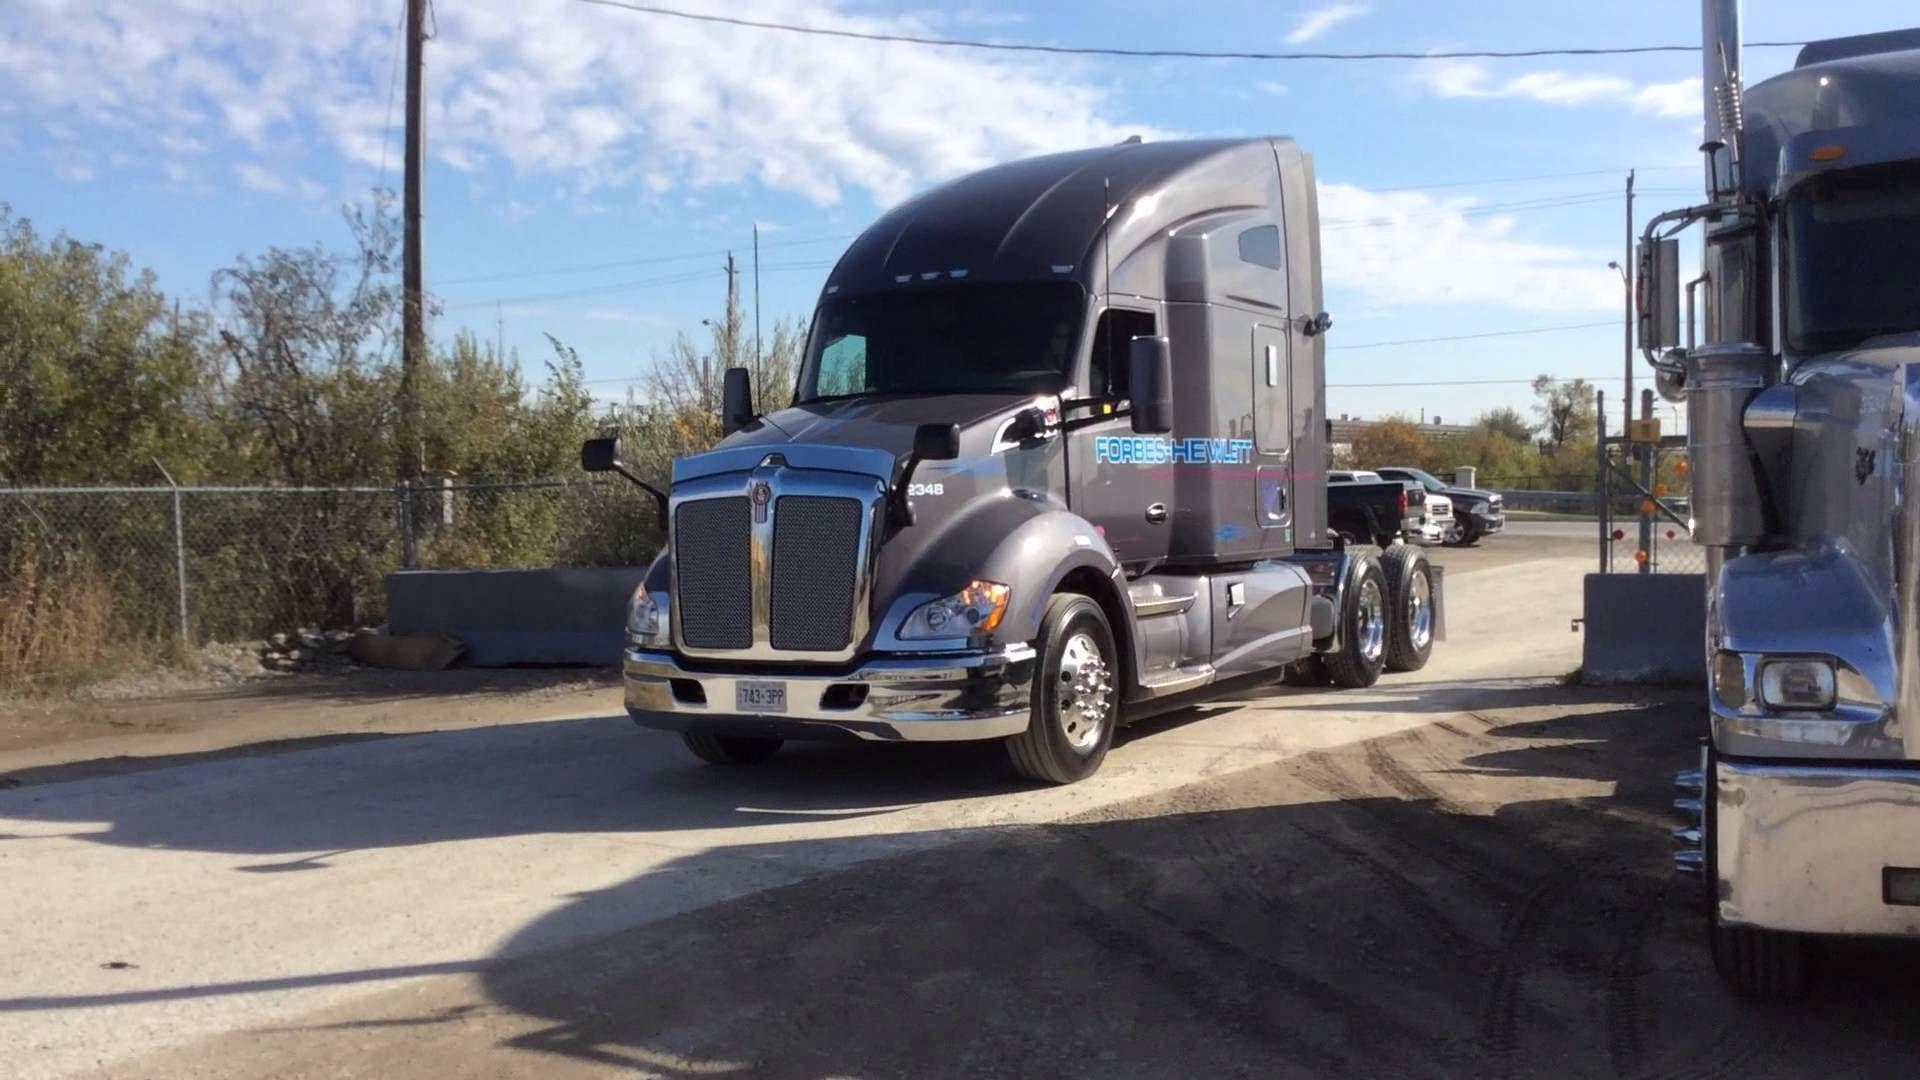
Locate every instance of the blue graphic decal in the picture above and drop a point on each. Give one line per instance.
(1160, 450)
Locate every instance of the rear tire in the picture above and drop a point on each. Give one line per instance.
(731, 749)
(1364, 615)
(1076, 695)
(1411, 624)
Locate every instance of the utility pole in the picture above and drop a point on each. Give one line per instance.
(1626, 345)
(756, 296)
(413, 333)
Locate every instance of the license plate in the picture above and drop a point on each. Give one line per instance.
(760, 697)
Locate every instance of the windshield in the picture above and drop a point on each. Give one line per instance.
(968, 339)
(1853, 242)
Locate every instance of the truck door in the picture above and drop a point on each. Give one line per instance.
(1273, 432)
(1118, 482)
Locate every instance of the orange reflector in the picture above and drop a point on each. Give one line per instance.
(1680, 466)
(1660, 490)
(1640, 557)
(1646, 506)
(1830, 152)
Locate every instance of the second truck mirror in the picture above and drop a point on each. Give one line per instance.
(1657, 295)
(600, 455)
(736, 401)
(1150, 381)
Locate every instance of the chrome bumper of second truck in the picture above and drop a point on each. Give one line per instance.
(945, 698)
(1815, 847)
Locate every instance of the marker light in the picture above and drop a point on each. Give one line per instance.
(1730, 679)
(975, 609)
(1829, 152)
(1797, 684)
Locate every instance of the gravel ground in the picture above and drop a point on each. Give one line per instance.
(1485, 896)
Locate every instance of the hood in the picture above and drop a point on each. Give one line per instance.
(883, 422)
(1460, 494)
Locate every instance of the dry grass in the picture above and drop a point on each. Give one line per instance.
(59, 625)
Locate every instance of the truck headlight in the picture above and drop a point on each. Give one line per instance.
(646, 616)
(1799, 685)
(1481, 508)
(975, 609)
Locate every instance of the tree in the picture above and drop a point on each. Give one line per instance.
(1393, 441)
(99, 375)
(1566, 412)
(687, 383)
(1507, 422)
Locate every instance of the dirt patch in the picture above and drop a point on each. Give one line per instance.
(1480, 899)
(54, 737)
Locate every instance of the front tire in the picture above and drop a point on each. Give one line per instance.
(1076, 695)
(1460, 534)
(1363, 627)
(1411, 625)
(731, 749)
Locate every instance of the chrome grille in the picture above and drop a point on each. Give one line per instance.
(712, 544)
(816, 551)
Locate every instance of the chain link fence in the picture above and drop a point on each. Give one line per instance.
(95, 579)
(1645, 509)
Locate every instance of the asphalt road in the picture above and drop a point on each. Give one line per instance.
(234, 917)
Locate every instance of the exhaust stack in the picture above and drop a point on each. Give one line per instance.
(1720, 92)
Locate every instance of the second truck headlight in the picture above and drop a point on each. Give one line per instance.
(975, 609)
(646, 616)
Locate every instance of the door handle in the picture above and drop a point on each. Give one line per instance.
(1157, 513)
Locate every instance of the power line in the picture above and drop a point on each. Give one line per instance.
(587, 268)
(1181, 54)
(1472, 337)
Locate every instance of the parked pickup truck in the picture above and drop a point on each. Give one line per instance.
(1364, 507)
(1476, 513)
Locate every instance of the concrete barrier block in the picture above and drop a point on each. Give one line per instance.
(1645, 628)
(570, 615)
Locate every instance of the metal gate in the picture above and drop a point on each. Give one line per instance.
(1642, 484)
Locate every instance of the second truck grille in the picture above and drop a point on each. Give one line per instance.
(816, 541)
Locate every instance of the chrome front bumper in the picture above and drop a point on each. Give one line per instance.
(1807, 847)
(904, 699)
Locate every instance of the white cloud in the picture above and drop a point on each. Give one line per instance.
(176, 172)
(258, 178)
(1268, 86)
(1472, 79)
(75, 173)
(1406, 247)
(599, 97)
(1318, 22)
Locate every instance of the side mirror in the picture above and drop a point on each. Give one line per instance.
(1657, 294)
(936, 442)
(1150, 381)
(736, 401)
(600, 455)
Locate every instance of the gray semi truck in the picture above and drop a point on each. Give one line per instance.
(1801, 375)
(1056, 459)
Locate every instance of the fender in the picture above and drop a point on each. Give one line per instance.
(1028, 545)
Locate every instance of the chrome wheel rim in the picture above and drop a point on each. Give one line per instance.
(1455, 533)
(1372, 622)
(1420, 611)
(1086, 692)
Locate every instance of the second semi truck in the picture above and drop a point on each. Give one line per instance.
(1057, 456)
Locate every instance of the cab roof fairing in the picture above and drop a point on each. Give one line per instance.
(1041, 219)
(1866, 101)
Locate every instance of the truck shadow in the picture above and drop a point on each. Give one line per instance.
(1489, 903)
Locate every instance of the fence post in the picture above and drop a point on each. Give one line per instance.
(1646, 483)
(180, 562)
(408, 555)
(1600, 485)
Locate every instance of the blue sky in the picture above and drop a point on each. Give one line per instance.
(589, 167)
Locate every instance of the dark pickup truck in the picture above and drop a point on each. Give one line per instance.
(1476, 513)
(1374, 511)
